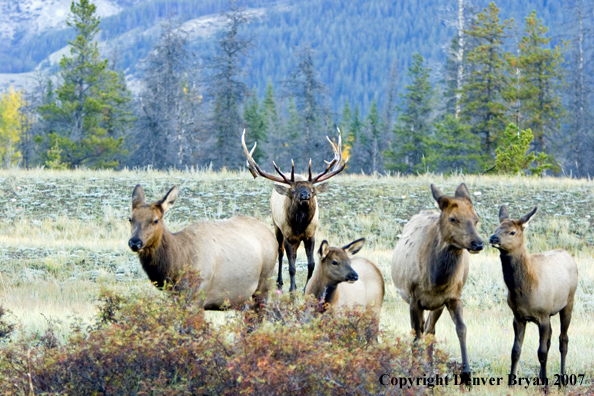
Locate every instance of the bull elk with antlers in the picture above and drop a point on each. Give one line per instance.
(294, 207)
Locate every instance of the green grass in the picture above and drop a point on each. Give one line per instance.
(63, 236)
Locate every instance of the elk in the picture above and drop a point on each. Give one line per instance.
(539, 286)
(235, 257)
(430, 263)
(294, 207)
(343, 281)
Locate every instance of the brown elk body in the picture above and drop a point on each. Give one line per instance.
(235, 257)
(539, 286)
(430, 263)
(294, 208)
(343, 281)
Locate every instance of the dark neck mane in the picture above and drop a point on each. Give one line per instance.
(444, 263)
(300, 216)
(516, 273)
(163, 262)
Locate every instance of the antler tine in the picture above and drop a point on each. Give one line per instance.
(292, 170)
(310, 176)
(255, 169)
(285, 180)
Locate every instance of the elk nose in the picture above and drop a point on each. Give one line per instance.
(352, 277)
(304, 195)
(135, 244)
(477, 246)
(494, 239)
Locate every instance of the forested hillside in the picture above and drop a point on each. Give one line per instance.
(464, 86)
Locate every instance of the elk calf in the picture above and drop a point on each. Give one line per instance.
(343, 281)
(294, 208)
(430, 263)
(235, 257)
(539, 286)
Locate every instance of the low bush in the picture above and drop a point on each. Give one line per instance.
(165, 346)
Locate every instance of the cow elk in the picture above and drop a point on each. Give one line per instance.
(430, 263)
(235, 257)
(294, 208)
(539, 286)
(343, 281)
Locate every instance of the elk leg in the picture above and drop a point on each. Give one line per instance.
(544, 330)
(456, 309)
(279, 239)
(292, 256)
(519, 330)
(311, 263)
(565, 316)
(416, 319)
(432, 320)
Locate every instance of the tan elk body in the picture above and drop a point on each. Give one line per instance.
(539, 286)
(235, 257)
(347, 282)
(430, 263)
(294, 208)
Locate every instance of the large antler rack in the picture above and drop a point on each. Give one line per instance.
(256, 171)
(336, 164)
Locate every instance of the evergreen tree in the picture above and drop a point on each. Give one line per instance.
(513, 156)
(88, 114)
(256, 125)
(413, 125)
(227, 89)
(345, 129)
(483, 106)
(538, 81)
(366, 154)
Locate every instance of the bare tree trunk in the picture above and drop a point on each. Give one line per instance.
(460, 58)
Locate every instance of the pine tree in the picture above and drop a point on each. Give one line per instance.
(513, 155)
(483, 106)
(88, 113)
(413, 125)
(539, 82)
(256, 126)
(345, 129)
(366, 153)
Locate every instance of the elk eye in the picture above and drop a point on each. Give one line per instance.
(292, 191)
(130, 219)
(334, 262)
(452, 220)
(512, 233)
(156, 221)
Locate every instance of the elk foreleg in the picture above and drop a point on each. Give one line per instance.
(432, 320)
(292, 257)
(279, 239)
(456, 309)
(565, 316)
(519, 330)
(544, 331)
(311, 263)
(417, 319)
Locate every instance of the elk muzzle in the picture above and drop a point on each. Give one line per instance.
(352, 277)
(304, 195)
(135, 244)
(494, 241)
(476, 246)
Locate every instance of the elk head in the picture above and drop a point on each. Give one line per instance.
(510, 233)
(335, 263)
(300, 192)
(146, 220)
(458, 220)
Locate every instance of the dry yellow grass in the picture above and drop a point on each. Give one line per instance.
(54, 262)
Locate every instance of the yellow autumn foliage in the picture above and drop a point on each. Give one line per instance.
(11, 127)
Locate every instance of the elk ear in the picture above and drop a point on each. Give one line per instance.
(503, 214)
(462, 192)
(525, 220)
(354, 247)
(282, 190)
(320, 188)
(442, 200)
(324, 249)
(137, 196)
(169, 199)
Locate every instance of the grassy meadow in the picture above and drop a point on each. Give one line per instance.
(63, 237)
